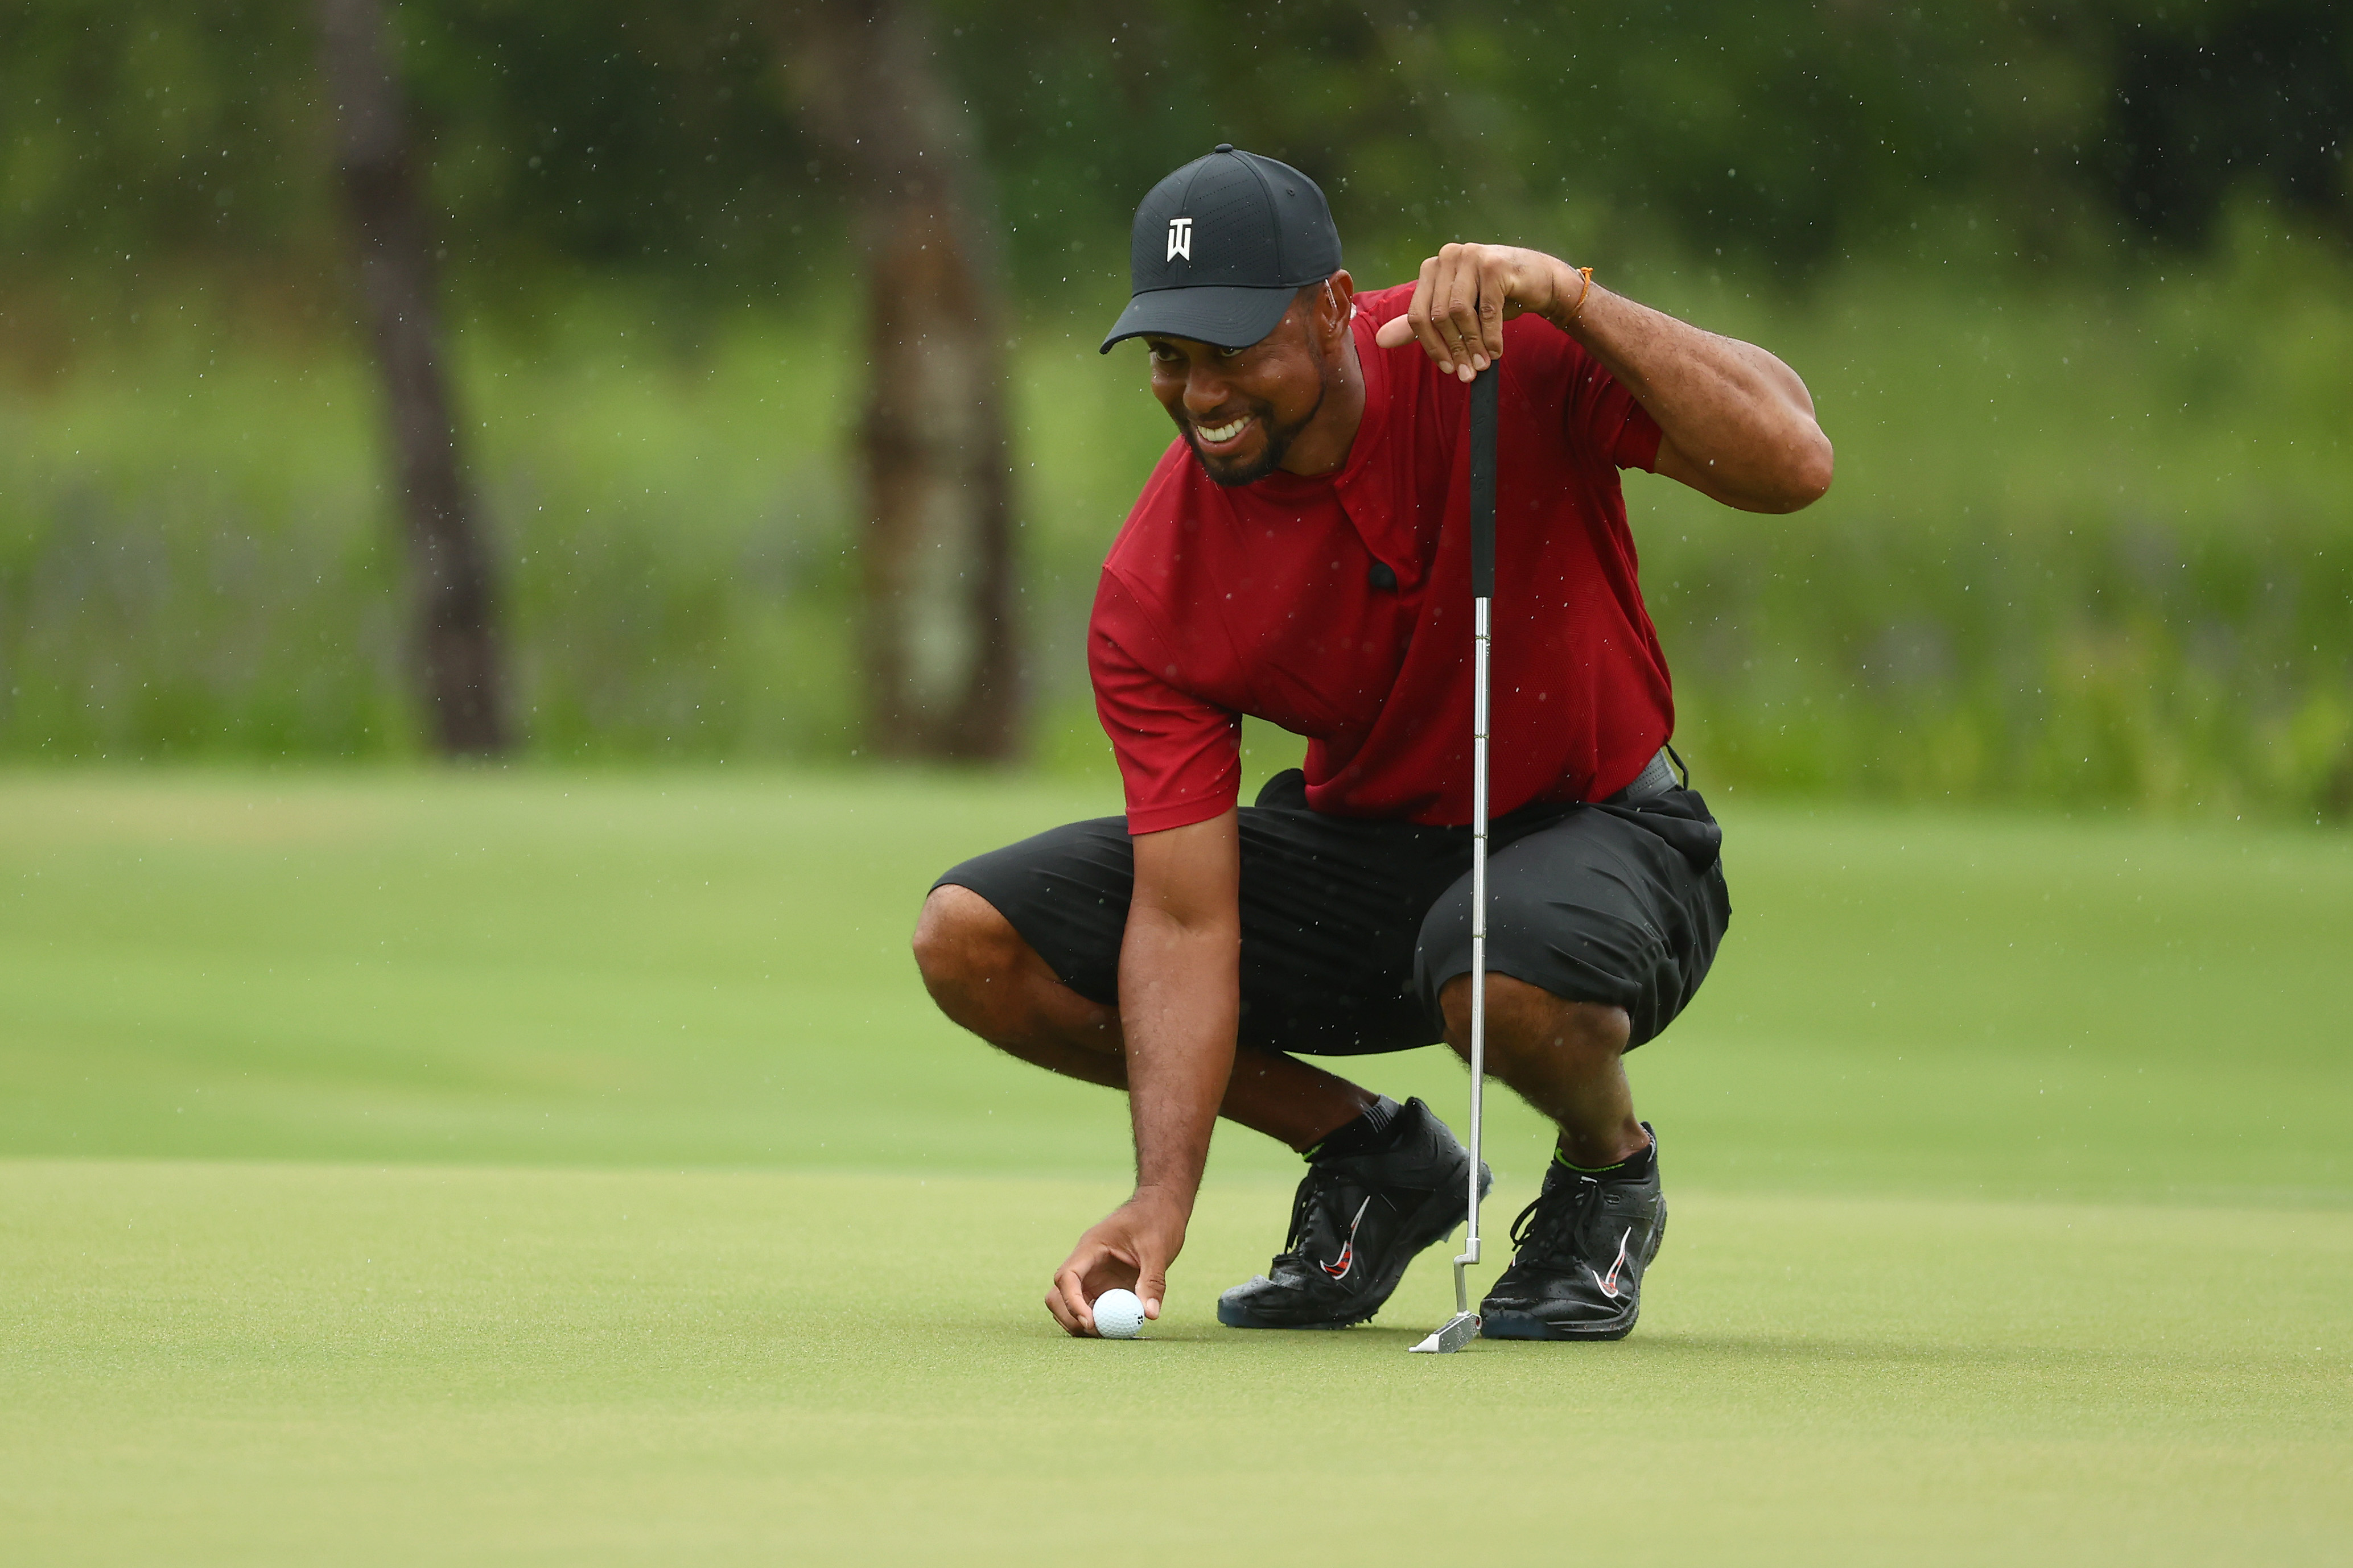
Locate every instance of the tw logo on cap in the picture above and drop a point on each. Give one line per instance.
(1180, 239)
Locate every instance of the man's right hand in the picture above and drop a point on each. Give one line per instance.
(1129, 1248)
(1179, 1000)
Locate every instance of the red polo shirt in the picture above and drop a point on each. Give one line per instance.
(1263, 599)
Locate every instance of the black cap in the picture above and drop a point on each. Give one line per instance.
(1221, 247)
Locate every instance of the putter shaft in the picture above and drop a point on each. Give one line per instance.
(1464, 1327)
(1479, 640)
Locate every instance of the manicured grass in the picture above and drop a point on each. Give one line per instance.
(701, 968)
(407, 1167)
(242, 1364)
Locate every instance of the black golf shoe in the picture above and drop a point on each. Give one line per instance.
(1581, 1249)
(1357, 1221)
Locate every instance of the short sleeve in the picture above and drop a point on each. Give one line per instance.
(1600, 421)
(1603, 417)
(1179, 755)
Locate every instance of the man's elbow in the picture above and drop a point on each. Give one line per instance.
(1816, 462)
(1805, 476)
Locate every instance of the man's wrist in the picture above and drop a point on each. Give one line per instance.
(1570, 289)
(1169, 1195)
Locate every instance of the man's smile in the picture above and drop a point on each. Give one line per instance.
(1221, 435)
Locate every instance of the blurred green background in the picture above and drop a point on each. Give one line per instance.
(2071, 287)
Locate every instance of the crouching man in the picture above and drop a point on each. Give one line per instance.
(1301, 554)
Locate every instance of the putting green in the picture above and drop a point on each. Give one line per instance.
(242, 1364)
(408, 1167)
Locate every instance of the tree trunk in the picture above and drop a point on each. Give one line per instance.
(939, 638)
(456, 646)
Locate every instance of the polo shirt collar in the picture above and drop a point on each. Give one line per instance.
(1367, 486)
(1373, 488)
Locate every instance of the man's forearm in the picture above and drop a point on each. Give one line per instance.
(1179, 1003)
(1741, 418)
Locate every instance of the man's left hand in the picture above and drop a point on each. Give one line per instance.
(1466, 294)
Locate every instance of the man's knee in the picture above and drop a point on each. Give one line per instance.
(985, 976)
(1521, 1017)
(962, 942)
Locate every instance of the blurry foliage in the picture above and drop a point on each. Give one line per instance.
(197, 572)
(1792, 132)
(197, 557)
(655, 141)
(2085, 547)
(144, 144)
(2221, 93)
(618, 138)
(147, 143)
(2088, 540)
(1790, 135)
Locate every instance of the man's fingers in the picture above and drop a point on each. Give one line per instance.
(1068, 1301)
(1152, 1282)
(1152, 1275)
(1475, 295)
(1445, 280)
(1495, 280)
(1061, 1312)
(1058, 1303)
(1461, 294)
(1460, 305)
(1102, 1258)
(1417, 315)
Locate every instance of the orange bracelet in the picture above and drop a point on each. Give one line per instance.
(1578, 309)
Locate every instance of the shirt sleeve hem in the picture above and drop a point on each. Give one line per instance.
(1161, 818)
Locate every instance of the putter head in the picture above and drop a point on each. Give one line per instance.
(1452, 1334)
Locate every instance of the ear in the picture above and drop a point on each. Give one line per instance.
(1335, 306)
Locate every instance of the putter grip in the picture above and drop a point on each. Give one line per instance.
(1482, 483)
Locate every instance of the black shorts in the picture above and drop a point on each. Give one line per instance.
(1350, 927)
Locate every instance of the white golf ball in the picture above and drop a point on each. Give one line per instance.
(1118, 1315)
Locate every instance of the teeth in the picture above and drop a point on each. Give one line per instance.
(1215, 433)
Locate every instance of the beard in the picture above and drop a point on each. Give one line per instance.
(1231, 473)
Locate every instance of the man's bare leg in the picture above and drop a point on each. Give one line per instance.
(1576, 1269)
(986, 978)
(1566, 1058)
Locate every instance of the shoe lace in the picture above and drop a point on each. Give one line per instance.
(1319, 1189)
(1555, 1216)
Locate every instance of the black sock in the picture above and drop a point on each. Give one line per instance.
(1369, 1133)
(1634, 1167)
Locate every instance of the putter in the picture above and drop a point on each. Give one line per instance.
(1464, 1327)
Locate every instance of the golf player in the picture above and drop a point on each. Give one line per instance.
(1300, 553)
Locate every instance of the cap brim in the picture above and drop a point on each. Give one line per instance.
(1228, 318)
